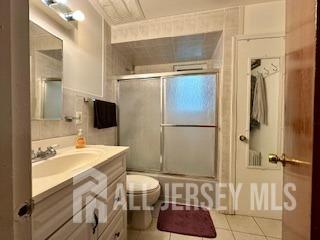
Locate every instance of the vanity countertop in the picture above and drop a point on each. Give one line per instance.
(50, 176)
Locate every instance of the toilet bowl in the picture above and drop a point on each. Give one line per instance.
(142, 193)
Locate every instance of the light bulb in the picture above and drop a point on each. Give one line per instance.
(78, 15)
(61, 1)
(51, 2)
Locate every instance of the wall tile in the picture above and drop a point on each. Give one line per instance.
(232, 18)
(185, 24)
(35, 129)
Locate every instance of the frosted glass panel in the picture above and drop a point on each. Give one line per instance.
(190, 99)
(189, 151)
(140, 119)
(52, 99)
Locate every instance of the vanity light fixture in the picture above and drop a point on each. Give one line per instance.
(60, 7)
(74, 16)
(50, 2)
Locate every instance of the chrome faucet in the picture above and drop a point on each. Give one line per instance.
(44, 155)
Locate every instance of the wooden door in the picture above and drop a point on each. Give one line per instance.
(299, 113)
(15, 140)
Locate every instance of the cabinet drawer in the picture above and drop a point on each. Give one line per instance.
(76, 231)
(117, 229)
(57, 209)
(71, 229)
(115, 201)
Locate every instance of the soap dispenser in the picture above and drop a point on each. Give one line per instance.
(80, 141)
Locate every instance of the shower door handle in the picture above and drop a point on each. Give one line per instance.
(243, 138)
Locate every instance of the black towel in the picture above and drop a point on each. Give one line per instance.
(104, 114)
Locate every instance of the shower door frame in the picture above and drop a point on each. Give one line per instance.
(162, 125)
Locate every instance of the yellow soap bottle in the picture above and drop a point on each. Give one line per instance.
(80, 141)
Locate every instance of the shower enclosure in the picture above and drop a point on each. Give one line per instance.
(170, 122)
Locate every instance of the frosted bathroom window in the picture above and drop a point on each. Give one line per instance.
(190, 99)
(140, 119)
(189, 151)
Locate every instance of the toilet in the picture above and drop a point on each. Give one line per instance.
(141, 190)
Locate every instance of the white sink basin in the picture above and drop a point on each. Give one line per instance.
(68, 162)
(51, 174)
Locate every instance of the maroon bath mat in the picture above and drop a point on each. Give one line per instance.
(186, 220)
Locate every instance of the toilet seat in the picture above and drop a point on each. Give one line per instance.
(137, 184)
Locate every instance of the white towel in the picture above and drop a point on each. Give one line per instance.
(260, 104)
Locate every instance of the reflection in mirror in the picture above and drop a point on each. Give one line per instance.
(265, 111)
(45, 74)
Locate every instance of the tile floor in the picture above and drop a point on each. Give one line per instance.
(228, 228)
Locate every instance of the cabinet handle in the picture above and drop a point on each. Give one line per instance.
(117, 199)
(95, 225)
(243, 138)
(116, 235)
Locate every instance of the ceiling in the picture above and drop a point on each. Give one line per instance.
(170, 50)
(163, 8)
(124, 11)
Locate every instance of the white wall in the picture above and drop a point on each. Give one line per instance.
(82, 48)
(264, 18)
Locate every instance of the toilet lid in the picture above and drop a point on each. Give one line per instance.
(140, 183)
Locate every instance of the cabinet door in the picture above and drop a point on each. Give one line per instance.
(77, 231)
(117, 229)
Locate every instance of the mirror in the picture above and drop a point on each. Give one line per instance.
(266, 109)
(46, 65)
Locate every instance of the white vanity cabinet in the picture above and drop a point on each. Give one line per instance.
(53, 216)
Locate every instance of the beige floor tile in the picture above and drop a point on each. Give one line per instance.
(132, 234)
(270, 227)
(183, 237)
(243, 224)
(219, 220)
(271, 238)
(247, 236)
(154, 235)
(222, 234)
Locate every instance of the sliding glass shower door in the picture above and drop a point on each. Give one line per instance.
(139, 118)
(189, 120)
(170, 124)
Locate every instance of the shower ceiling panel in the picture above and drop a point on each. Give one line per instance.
(170, 50)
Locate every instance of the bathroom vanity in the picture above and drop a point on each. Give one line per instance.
(60, 181)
